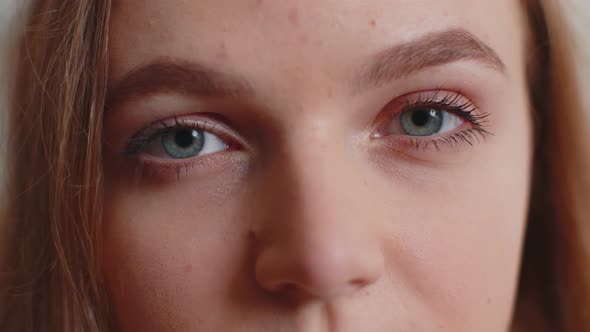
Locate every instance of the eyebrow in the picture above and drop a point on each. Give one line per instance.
(188, 78)
(182, 77)
(431, 50)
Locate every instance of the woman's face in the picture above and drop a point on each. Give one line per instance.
(315, 165)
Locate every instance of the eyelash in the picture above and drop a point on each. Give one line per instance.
(454, 103)
(148, 134)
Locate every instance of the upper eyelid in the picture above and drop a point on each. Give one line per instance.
(465, 107)
(437, 97)
(147, 134)
(434, 95)
(185, 121)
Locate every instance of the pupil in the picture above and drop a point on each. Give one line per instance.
(185, 138)
(420, 118)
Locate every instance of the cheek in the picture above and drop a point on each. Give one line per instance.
(458, 230)
(176, 255)
(165, 263)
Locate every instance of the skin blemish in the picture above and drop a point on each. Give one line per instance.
(303, 39)
(252, 235)
(294, 17)
(221, 53)
(373, 23)
(188, 268)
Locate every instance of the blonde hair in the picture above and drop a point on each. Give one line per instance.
(51, 269)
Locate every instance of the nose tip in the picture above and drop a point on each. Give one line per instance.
(317, 238)
(323, 272)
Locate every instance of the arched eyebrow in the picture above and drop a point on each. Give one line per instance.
(431, 50)
(397, 62)
(176, 76)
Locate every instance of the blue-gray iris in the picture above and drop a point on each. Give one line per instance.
(422, 122)
(183, 143)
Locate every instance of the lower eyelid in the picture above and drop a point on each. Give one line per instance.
(167, 170)
(456, 140)
(379, 134)
(449, 141)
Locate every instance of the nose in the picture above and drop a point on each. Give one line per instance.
(319, 240)
(324, 266)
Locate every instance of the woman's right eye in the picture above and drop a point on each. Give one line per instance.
(181, 143)
(181, 139)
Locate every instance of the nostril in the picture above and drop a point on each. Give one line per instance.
(287, 291)
(359, 282)
(331, 268)
(286, 288)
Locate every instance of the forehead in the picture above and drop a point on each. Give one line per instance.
(265, 38)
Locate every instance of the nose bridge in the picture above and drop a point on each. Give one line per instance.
(325, 182)
(320, 244)
(323, 173)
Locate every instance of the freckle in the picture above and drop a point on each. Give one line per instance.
(373, 23)
(188, 268)
(221, 52)
(304, 39)
(294, 17)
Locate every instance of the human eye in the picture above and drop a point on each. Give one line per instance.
(180, 139)
(432, 120)
(180, 142)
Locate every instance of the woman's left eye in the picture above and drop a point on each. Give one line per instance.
(431, 119)
(423, 121)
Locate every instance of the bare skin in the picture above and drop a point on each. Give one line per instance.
(305, 200)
